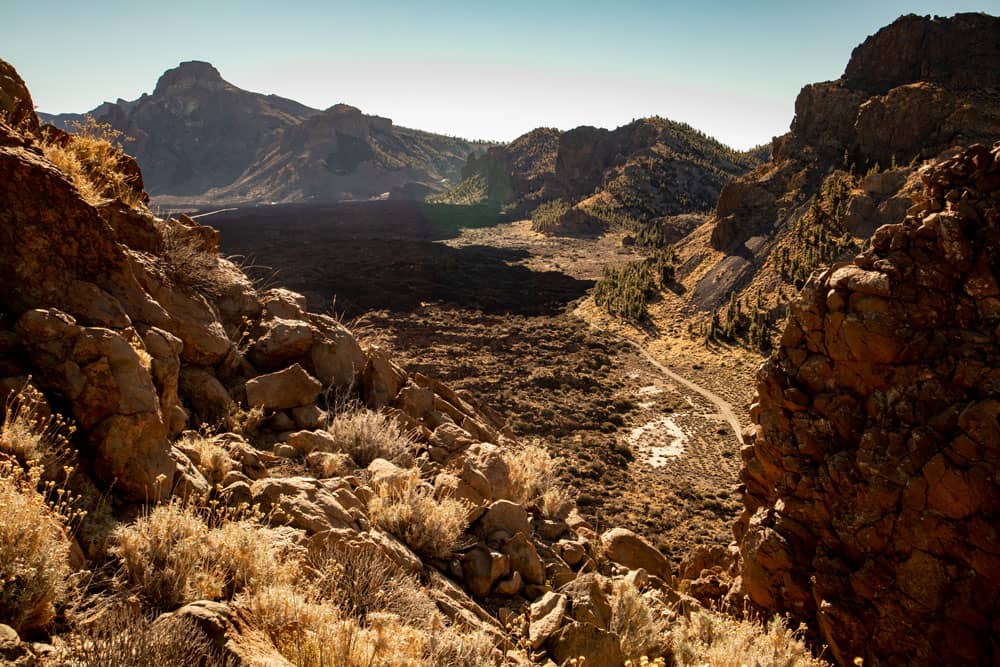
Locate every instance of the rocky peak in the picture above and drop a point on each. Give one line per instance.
(961, 52)
(190, 74)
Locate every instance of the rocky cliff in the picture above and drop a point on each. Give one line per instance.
(872, 497)
(914, 89)
(200, 139)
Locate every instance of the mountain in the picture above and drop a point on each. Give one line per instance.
(200, 139)
(849, 164)
(649, 169)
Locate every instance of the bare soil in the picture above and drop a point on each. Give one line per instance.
(501, 311)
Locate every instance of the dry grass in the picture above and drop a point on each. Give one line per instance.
(534, 477)
(92, 160)
(313, 632)
(712, 638)
(34, 554)
(211, 460)
(121, 637)
(365, 435)
(409, 510)
(636, 623)
(172, 556)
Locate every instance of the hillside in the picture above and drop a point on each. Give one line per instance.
(849, 164)
(201, 140)
(645, 171)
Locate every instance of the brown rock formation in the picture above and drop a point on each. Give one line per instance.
(872, 499)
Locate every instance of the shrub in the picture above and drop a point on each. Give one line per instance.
(172, 556)
(34, 553)
(124, 638)
(211, 460)
(534, 479)
(640, 629)
(708, 637)
(365, 435)
(94, 162)
(409, 510)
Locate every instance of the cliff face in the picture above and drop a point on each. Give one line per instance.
(872, 496)
(198, 138)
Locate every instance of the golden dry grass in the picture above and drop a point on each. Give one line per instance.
(431, 527)
(637, 624)
(172, 555)
(365, 435)
(712, 638)
(534, 477)
(34, 554)
(211, 460)
(92, 160)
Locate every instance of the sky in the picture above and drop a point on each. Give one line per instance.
(480, 70)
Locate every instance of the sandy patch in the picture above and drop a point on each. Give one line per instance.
(658, 441)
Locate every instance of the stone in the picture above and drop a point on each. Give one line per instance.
(545, 617)
(634, 551)
(301, 502)
(209, 401)
(505, 516)
(231, 632)
(510, 586)
(589, 596)
(307, 442)
(600, 647)
(309, 417)
(288, 388)
(281, 341)
(481, 568)
(381, 379)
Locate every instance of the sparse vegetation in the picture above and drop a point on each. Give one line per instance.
(717, 639)
(365, 435)
(547, 217)
(93, 160)
(534, 477)
(408, 509)
(623, 291)
(637, 624)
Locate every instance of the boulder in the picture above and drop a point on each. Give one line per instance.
(546, 617)
(575, 640)
(634, 551)
(524, 558)
(230, 631)
(307, 442)
(280, 342)
(208, 400)
(335, 356)
(381, 379)
(504, 517)
(481, 568)
(288, 388)
(589, 596)
(302, 502)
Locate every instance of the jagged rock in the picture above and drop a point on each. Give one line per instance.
(524, 558)
(385, 473)
(451, 438)
(546, 617)
(164, 348)
(231, 632)
(302, 502)
(381, 379)
(209, 401)
(309, 417)
(307, 442)
(335, 357)
(481, 568)
(280, 342)
(599, 647)
(13, 651)
(505, 518)
(633, 551)
(288, 388)
(571, 551)
(415, 401)
(283, 303)
(348, 540)
(15, 101)
(487, 459)
(112, 397)
(459, 608)
(869, 487)
(510, 586)
(447, 485)
(589, 596)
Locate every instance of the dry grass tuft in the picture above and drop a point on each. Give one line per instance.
(34, 553)
(534, 477)
(639, 627)
(409, 510)
(92, 159)
(211, 460)
(122, 637)
(365, 435)
(709, 637)
(172, 556)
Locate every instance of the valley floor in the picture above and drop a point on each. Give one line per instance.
(503, 312)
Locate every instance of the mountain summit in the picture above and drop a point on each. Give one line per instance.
(202, 140)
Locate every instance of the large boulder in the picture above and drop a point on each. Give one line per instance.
(288, 388)
(302, 502)
(871, 494)
(600, 647)
(634, 551)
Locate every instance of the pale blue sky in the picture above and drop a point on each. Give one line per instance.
(475, 69)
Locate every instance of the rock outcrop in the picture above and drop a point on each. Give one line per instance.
(872, 499)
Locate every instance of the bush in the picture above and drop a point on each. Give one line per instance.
(708, 637)
(34, 554)
(534, 479)
(93, 160)
(409, 510)
(639, 628)
(211, 460)
(365, 436)
(172, 556)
